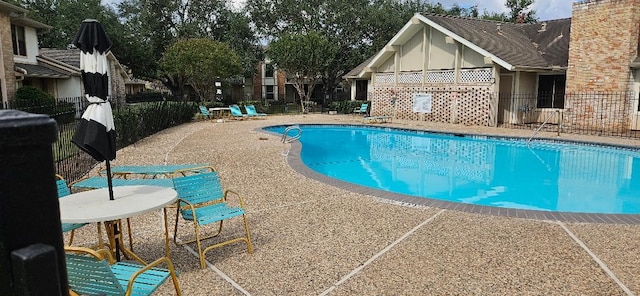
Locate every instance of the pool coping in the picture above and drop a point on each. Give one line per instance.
(295, 162)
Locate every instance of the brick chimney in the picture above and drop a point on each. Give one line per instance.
(604, 41)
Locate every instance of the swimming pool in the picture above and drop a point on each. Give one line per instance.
(543, 175)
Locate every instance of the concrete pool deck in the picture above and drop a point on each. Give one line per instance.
(312, 238)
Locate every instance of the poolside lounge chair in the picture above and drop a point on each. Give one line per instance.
(63, 190)
(251, 112)
(203, 201)
(376, 119)
(236, 113)
(155, 171)
(93, 272)
(205, 112)
(101, 182)
(362, 110)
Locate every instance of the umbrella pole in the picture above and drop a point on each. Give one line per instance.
(109, 181)
(116, 231)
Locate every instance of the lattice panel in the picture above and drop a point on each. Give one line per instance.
(410, 77)
(470, 105)
(440, 77)
(473, 106)
(384, 78)
(476, 75)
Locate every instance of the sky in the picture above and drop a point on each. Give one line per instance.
(545, 9)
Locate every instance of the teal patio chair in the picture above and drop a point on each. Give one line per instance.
(63, 190)
(93, 272)
(362, 110)
(205, 112)
(236, 113)
(203, 202)
(252, 113)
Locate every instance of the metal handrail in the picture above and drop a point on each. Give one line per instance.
(288, 139)
(545, 122)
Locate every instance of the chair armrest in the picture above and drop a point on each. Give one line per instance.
(188, 206)
(98, 254)
(184, 171)
(227, 192)
(149, 267)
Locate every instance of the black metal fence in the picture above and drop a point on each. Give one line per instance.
(133, 122)
(598, 113)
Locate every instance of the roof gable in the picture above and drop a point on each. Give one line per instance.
(543, 45)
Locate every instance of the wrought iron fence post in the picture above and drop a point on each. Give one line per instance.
(29, 209)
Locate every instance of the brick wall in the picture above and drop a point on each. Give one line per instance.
(604, 41)
(7, 55)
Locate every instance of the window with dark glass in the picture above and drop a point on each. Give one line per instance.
(19, 43)
(268, 70)
(269, 92)
(551, 91)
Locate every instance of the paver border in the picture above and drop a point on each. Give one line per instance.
(295, 162)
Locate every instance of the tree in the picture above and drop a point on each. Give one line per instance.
(357, 28)
(199, 62)
(160, 23)
(303, 57)
(519, 11)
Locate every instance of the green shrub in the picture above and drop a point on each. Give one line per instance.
(33, 100)
(346, 107)
(31, 96)
(145, 97)
(140, 120)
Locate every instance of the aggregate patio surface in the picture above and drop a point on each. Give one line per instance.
(311, 238)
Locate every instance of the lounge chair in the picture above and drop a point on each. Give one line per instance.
(362, 110)
(203, 201)
(155, 171)
(97, 182)
(251, 112)
(93, 272)
(205, 112)
(376, 119)
(236, 113)
(63, 190)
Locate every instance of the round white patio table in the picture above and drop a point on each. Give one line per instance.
(220, 111)
(129, 201)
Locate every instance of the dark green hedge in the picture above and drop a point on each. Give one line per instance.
(137, 121)
(346, 107)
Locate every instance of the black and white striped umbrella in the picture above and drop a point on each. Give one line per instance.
(95, 133)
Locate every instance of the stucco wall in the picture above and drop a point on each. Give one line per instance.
(412, 54)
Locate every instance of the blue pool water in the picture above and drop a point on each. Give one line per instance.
(498, 172)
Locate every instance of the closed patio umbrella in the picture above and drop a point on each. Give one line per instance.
(95, 133)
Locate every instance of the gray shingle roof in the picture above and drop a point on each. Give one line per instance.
(355, 71)
(41, 70)
(521, 45)
(68, 56)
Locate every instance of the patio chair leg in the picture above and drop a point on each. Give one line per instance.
(175, 229)
(199, 244)
(130, 235)
(71, 236)
(246, 229)
(174, 278)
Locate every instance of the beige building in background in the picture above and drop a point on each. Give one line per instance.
(487, 73)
